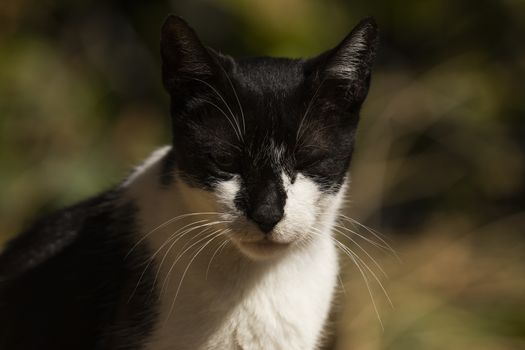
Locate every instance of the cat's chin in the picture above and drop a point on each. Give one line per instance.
(262, 249)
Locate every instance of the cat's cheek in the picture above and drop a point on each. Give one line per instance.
(225, 193)
(300, 210)
(330, 204)
(309, 211)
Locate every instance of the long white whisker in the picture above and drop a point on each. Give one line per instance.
(357, 262)
(352, 257)
(219, 249)
(372, 242)
(166, 280)
(341, 283)
(165, 223)
(232, 124)
(364, 251)
(378, 280)
(370, 271)
(375, 277)
(373, 232)
(194, 237)
(206, 227)
(299, 129)
(236, 97)
(187, 231)
(186, 270)
(227, 242)
(225, 103)
(152, 258)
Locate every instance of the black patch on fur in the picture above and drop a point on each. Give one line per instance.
(66, 281)
(259, 117)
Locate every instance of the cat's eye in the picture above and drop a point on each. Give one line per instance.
(307, 160)
(226, 163)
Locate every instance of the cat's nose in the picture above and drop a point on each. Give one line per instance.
(267, 216)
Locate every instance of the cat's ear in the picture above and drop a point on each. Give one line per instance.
(348, 65)
(183, 55)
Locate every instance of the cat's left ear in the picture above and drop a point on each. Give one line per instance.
(348, 65)
(183, 55)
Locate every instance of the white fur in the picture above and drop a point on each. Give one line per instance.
(280, 302)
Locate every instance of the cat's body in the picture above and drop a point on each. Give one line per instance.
(221, 241)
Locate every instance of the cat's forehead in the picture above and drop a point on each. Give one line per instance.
(267, 74)
(271, 93)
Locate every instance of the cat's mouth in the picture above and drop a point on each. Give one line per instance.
(264, 248)
(258, 245)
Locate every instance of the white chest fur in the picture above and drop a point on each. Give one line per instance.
(234, 302)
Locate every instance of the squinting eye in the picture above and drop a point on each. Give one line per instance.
(310, 159)
(226, 163)
(307, 163)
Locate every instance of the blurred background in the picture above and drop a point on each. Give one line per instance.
(439, 170)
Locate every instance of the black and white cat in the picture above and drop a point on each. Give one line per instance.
(221, 240)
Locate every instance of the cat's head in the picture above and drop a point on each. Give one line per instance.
(270, 138)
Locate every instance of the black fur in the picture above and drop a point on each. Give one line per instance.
(65, 282)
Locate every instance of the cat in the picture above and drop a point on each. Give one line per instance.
(221, 240)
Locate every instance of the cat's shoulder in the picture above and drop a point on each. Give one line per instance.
(65, 282)
(50, 235)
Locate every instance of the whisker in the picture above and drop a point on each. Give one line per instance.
(372, 242)
(220, 246)
(186, 270)
(165, 223)
(206, 227)
(227, 242)
(364, 251)
(166, 280)
(200, 233)
(236, 97)
(152, 258)
(373, 232)
(227, 117)
(226, 104)
(357, 262)
(375, 277)
(194, 237)
(368, 268)
(351, 255)
(341, 283)
(299, 129)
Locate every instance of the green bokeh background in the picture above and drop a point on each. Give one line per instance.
(439, 168)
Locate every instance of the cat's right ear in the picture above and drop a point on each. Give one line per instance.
(344, 71)
(183, 55)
